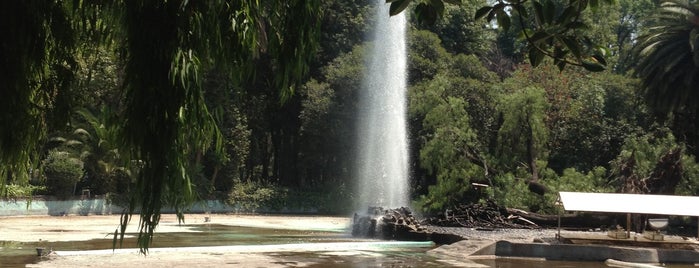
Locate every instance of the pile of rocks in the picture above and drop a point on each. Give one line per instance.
(395, 224)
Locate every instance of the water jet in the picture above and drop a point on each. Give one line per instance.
(382, 159)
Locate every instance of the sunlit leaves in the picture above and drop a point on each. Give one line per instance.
(523, 134)
(551, 28)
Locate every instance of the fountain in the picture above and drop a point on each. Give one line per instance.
(382, 159)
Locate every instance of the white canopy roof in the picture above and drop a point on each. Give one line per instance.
(631, 203)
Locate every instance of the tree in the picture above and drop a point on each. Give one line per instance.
(166, 48)
(62, 173)
(452, 123)
(449, 151)
(551, 28)
(426, 56)
(669, 66)
(632, 14)
(36, 67)
(523, 135)
(459, 32)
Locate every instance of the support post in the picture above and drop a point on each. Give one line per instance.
(559, 226)
(560, 210)
(628, 225)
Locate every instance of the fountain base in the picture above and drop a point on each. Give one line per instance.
(389, 224)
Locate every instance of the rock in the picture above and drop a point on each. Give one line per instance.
(389, 224)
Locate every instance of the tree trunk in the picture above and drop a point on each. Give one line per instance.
(531, 154)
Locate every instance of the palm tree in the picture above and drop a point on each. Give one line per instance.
(669, 59)
(669, 68)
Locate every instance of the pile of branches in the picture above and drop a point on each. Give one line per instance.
(480, 215)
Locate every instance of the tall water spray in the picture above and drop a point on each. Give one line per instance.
(382, 144)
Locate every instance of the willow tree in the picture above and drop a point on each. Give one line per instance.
(165, 48)
(36, 66)
(523, 134)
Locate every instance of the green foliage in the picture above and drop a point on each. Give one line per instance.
(512, 192)
(104, 163)
(552, 29)
(249, 196)
(645, 152)
(343, 25)
(255, 196)
(574, 181)
(17, 191)
(450, 149)
(327, 120)
(523, 135)
(35, 75)
(426, 56)
(690, 174)
(459, 32)
(669, 58)
(62, 173)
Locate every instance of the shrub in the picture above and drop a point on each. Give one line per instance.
(16, 191)
(249, 196)
(62, 172)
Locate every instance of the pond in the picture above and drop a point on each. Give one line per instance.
(18, 254)
(351, 252)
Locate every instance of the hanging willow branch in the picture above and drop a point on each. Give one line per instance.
(165, 48)
(36, 68)
(169, 46)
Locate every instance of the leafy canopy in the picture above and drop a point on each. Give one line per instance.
(551, 28)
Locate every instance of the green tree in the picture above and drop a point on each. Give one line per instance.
(668, 58)
(523, 134)
(655, 163)
(103, 160)
(328, 120)
(166, 48)
(448, 154)
(459, 32)
(668, 66)
(35, 73)
(632, 14)
(62, 173)
(426, 56)
(551, 28)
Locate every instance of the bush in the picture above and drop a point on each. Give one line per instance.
(15, 191)
(249, 196)
(62, 172)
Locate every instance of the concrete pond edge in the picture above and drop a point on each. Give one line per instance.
(469, 249)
